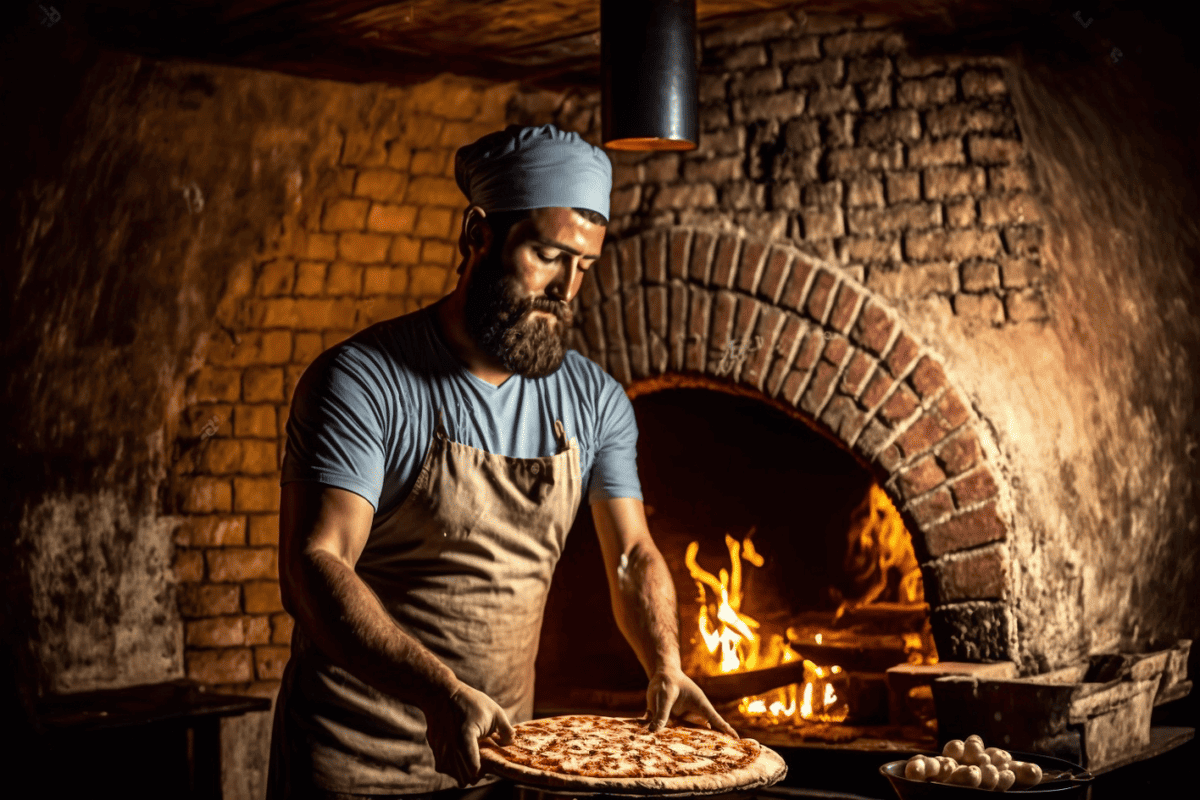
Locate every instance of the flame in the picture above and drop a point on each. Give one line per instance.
(881, 567)
(879, 545)
(736, 637)
(736, 644)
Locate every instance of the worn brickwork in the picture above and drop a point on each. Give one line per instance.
(909, 173)
(908, 176)
(906, 184)
(805, 332)
(383, 243)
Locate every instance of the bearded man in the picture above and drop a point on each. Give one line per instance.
(435, 463)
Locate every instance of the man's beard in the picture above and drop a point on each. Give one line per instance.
(497, 322)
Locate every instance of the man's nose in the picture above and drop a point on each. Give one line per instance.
(560, 287)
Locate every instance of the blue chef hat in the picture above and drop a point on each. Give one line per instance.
(534, 167)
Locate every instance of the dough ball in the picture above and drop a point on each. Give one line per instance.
(990, 776)
(966, 775)
(1027, 774)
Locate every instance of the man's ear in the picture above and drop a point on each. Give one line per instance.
(475, 238)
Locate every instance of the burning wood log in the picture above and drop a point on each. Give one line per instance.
(854, 658)
(882, 616)
(727, 688)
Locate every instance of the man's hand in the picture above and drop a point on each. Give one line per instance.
(672, 692)
(456, 723)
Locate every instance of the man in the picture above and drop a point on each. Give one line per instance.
(435, 463)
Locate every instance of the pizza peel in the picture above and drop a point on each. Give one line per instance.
(560, 792)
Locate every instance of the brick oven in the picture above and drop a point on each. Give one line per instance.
(812, 344)
(863, 243)
(688, 314)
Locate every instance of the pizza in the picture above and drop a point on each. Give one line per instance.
(614, 755)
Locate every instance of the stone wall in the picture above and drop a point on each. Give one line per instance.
(908, 178)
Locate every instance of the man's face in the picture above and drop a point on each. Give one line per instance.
(517, 303)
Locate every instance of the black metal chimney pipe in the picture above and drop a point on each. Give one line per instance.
(648, 74)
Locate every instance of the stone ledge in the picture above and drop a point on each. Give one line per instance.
(1100, 707)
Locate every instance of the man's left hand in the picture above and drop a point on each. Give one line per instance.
(673, 693)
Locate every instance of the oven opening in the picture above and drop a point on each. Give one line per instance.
(796, 580)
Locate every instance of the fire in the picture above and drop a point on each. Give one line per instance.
(878, 545)
(882, 568)
(736, 636)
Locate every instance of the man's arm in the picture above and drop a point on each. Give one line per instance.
(643, 601)
(322, 532)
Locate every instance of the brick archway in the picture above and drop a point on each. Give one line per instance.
(687, 304)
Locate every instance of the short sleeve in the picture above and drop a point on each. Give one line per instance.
(614, 471)
(336, 429)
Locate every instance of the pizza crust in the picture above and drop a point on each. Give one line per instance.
(581, 753)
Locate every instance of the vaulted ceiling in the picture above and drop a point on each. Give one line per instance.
(538, 41)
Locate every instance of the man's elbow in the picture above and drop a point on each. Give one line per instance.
(296, 574)
(645, 554)
(288, 588)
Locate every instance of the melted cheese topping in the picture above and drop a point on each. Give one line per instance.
(605, 747)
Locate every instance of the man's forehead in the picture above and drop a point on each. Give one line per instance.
(564, 226)
(558, 215)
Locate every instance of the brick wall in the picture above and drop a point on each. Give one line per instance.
(908, 172)
(383, 243)
(908, 180)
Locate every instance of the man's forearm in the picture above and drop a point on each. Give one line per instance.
(645, 609)
(341, 614)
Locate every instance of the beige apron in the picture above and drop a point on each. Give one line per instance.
(463, 565)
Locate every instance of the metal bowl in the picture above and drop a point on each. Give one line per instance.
(1076, 783)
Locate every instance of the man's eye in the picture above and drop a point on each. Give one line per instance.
(546, 256)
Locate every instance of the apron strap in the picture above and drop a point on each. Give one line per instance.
(440, 430)
(560, 433)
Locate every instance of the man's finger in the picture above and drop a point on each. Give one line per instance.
(471, 740)
(504, 729)
(716, 721)
(467, 776)
(660, 708)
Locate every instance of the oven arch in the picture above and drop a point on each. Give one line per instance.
(686, 306)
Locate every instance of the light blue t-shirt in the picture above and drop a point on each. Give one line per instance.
(364, 413)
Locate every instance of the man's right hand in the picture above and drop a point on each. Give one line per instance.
(456, 722)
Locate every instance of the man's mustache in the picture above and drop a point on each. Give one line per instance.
(555, 307)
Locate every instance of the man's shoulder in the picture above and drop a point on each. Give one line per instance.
(380, 352)
(580, 369)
